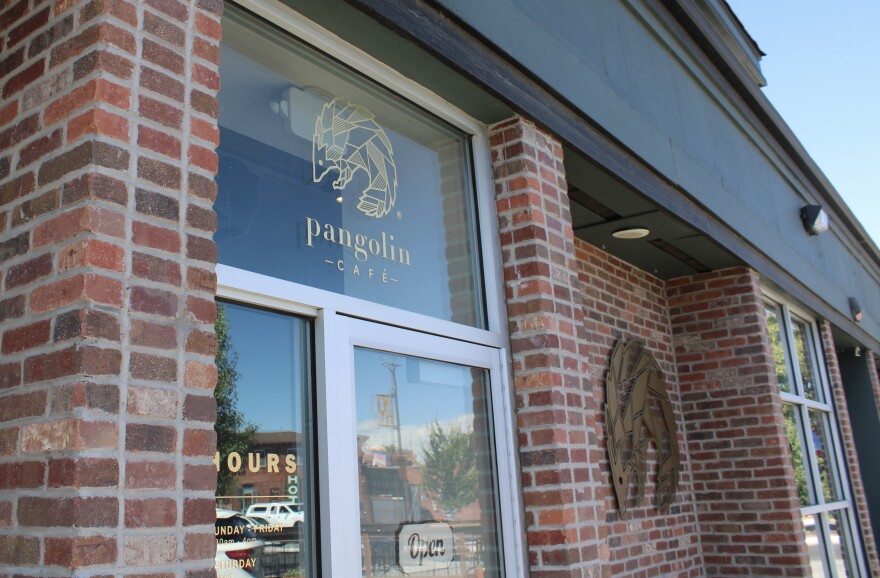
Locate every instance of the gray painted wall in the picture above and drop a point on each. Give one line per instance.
(866, 427)
(602, 56)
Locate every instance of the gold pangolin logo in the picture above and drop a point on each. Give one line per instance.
(347, 139)
(637, 409)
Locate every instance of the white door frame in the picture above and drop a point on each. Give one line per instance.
(337, 336)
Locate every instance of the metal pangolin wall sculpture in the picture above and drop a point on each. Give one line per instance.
(637, 410)
(348, 140)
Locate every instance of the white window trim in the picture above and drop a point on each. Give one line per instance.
(258, 289)
(792, 398)
(822, 508)
(329, 309)
(803, 404)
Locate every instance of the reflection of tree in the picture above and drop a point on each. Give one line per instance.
(451, 467)
(778, 352)
(797, 454)
(234, 434)
(800, 336)
(819, 441)
(826, 476)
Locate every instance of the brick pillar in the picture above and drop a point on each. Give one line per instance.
(556, 412)
(748, 509)
(107, 136)
(849, 446)
(873, 361)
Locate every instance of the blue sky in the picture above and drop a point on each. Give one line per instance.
(823, 76)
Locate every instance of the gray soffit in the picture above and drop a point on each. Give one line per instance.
(601, 205)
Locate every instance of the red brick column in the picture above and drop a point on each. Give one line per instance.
(556, 412)
(107, 136)
(748, 509)
(873, 361)
(860, 501)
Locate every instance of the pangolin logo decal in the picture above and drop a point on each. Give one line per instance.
(347, 139)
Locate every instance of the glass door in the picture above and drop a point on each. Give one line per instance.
(413, 468)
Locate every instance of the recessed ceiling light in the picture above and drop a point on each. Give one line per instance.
(633, 233)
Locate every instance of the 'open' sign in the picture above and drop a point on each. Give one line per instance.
(422, 547)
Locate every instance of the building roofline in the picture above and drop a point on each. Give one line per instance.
(465, 50)
(743, 29)
(688, 14)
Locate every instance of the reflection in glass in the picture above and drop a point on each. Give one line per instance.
(426, 467)
(265, 520)
(803, 345)
(840, 543)
(388, 218)
(773, 327)
(809, 431)
(794, 431)
(824, 455)
(814, 537)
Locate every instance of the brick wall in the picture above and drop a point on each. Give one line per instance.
(748, 509)
(737, 511)
(873, 361)
(621, 301)
(556, 410)
(107, 132)
(849, 447)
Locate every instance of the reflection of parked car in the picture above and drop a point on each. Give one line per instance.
(239, 549)
(259, 521)
(286, 514)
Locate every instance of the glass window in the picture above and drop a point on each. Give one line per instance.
(824, 453)
(804, 349)
(264, 438)
(829, 530)
(775, 330)
(425, 463)
(795, 431)
(329, 180)
(839, 529)
(814, 537)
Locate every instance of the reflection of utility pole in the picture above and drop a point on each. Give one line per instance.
(392, 367)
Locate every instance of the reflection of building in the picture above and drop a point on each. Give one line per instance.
(263, 484)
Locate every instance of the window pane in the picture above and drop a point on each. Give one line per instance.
(329, 180)
(777, 345)
(824, 455)
(841, 546)
(794, 430)
(814, 537)
(805, 356)
(265, 523)
(427, 483)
